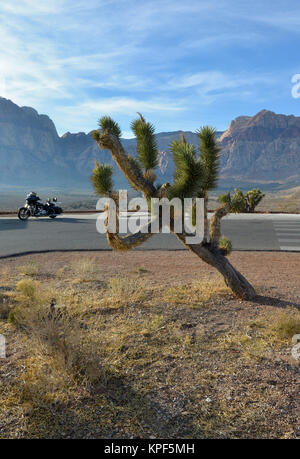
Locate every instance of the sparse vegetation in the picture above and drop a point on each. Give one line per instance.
(30, 269)
(83, 267)
(123, 287)
(198, 293)
(132, 359)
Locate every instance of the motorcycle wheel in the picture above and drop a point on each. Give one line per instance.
(23, 214)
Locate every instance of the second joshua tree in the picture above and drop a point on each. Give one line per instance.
(196, 173)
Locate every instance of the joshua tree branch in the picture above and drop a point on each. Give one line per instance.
(123, 243)
(129, 241)
(215, 222)
(112, 143)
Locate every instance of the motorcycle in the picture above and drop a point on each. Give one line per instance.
(34, 208)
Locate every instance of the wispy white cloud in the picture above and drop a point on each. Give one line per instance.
(76, 60)
(126, 105)
(212, 85)
(24, 7)
(84, 115)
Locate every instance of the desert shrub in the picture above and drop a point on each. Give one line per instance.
(27, 288)
(286, 325)
(57, 338)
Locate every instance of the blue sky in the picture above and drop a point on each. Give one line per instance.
(181, 63)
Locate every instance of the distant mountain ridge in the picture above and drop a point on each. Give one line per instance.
(265, 147)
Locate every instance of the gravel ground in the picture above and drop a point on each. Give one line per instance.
(219, 385)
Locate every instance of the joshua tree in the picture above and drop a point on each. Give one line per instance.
(241, 202)
(196, 173)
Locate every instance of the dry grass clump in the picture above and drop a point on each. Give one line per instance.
(286, 325)
(61, 344)
(27, 288)
(5, 307)
(198, 293)
(30, 268)
(63, 354)
(5, 275)
(243, 344)
(62, 272)
(122, 286)
(123, 291)
(83, 267)
(258, 337)
(142, 270)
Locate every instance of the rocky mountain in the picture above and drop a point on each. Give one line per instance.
(29, 146)
(262, 148)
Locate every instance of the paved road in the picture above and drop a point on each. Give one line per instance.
(73, 232)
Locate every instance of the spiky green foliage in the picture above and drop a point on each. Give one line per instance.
(108, 125)
(188, 171)
(102, 178)
(223, 198)
(209, 155)
(253, 198)
(238, 202)
(146, 143)
(137, 167)
(96, 135)
(243, 202)
(225, 244)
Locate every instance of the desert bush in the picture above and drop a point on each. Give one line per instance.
(27, 288)
(286, 325)
(58, 338)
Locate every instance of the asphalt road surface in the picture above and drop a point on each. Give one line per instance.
(78, 232)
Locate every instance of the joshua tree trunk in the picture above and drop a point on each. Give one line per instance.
(233, 278)
(205, 217)
(211, 254)
(207, 252)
